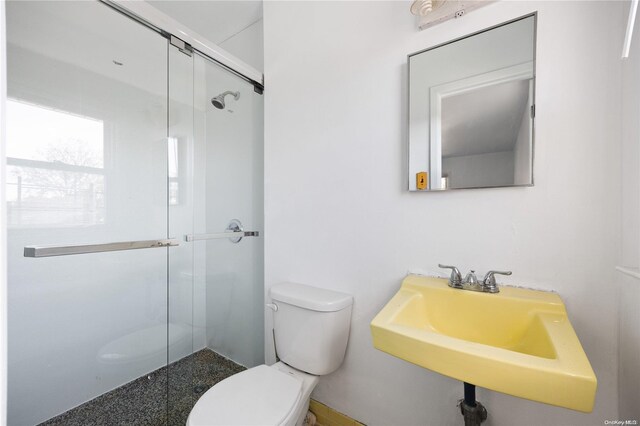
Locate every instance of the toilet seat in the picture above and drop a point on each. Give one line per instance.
(259, 396)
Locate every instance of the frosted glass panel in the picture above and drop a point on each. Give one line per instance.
(87, 154)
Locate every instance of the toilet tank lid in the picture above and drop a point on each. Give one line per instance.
(313, 298)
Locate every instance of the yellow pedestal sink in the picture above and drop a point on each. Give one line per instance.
(518, 341)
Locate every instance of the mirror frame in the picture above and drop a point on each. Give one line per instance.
(493, 77)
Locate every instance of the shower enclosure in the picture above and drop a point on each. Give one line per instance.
(135, 219)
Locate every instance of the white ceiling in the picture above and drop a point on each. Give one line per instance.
(91, 36)
(215, 20)
(484, 120)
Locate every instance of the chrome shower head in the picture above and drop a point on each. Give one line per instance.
(218, 101)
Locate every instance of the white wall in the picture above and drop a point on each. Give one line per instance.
(630, 167)
(629, 349)
(248, 45)
(629, 315)
(337, 213)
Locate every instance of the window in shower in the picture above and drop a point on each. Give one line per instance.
(55, 167)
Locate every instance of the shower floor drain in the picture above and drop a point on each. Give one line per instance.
(199, 389)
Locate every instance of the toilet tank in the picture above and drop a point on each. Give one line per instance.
(311, 326)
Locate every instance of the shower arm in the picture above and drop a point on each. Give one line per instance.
(236, 95)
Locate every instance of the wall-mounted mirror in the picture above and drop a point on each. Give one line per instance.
(471, 110)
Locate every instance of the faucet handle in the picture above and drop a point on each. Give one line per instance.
(489, 280)
(455, 280)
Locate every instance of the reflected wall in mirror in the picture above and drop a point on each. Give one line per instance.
(471, 110)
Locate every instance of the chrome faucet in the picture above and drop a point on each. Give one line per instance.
(470, 278)
(470, 281)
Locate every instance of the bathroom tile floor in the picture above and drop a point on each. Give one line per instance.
(144, 400)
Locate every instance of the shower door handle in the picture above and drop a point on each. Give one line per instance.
(219, 235)
(48, 251)
(234, 232)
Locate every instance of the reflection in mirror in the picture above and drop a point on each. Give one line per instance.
(484, 132)
(472, 110)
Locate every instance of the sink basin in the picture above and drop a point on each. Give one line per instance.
(518, 341)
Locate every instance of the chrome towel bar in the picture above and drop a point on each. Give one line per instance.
(48, 251)
(234, 232)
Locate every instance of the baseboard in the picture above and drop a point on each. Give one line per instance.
(327, 416)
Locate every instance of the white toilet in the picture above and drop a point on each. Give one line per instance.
(311, 328)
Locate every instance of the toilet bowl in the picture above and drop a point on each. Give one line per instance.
(311, 329)
(262, 395)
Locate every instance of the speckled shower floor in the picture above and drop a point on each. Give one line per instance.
(147, 400)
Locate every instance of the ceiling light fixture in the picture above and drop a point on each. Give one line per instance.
(424, 7)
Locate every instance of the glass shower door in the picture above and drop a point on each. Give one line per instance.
(87, 166)
(215, 188)
(229, 122)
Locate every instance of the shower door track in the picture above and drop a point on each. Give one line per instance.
(249, 74)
